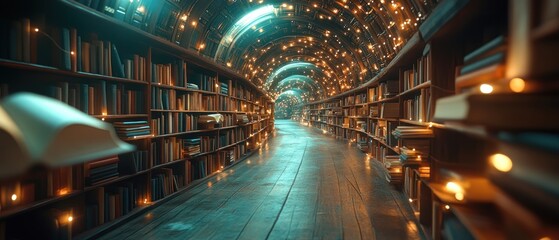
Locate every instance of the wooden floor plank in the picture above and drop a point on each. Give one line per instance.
(300, 185)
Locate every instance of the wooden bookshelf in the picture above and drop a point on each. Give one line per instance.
(446, 42)
(147, 62)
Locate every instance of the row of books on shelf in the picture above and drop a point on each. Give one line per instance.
(168, 99)
(113, 202)
(382, 130)
(64, 180)
(100, 99)
(101, 170)
(65, 49)
(205, 165)
(419, 73)
(176, 122)
(418, 107)
(168, 123)
(165, 182)
(167, 150)
(170, 74)
(383, 90)
(241, 92)
(204, 81)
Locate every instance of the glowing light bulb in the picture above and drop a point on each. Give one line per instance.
(501, 162)
(453, 187)
(485, 88)
(447, 207)
(517, 85)
(70, 218)
(14, 197)
(459, 196)
(36, 30)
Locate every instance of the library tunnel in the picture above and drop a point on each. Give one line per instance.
(328, 46)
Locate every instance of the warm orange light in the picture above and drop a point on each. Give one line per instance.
(145, 200)
(70, 218)
(72, 53)
(501, 162)
(63, 191)
(485, 88)
(36, 30)
(454, 187)
(447, 207)
(517, 85)
(14, 197)
(459, 196)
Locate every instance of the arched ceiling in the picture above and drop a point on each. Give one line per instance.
(300, 50)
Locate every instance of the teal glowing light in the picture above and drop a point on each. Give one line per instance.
(298, 78)
(290, 66)
(252, 19)
(291, 93)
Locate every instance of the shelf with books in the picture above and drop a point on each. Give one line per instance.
(112, 79)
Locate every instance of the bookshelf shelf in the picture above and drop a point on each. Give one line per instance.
(391, 99)
(4, 214)
(114, 180)
(31, 68)
(455, 148)
(120, 116)
(106, 48)
(416, 88)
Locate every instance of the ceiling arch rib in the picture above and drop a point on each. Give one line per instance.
(304, 45)
(293, 69)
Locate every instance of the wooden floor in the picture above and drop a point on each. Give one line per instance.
(300, 185)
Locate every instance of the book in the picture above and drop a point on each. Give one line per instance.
(36, 129)
(501, 111)
(495, 45)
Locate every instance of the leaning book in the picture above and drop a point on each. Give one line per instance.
(37, 130)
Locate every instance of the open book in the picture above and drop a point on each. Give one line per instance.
(39, 130)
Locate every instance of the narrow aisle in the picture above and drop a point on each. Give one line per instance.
(300, 185)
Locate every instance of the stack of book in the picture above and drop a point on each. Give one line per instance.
(412, 132)
(132, 129)
(485, 64)
(191, 147)
(411, 156)
(394, 167)
(100, 170)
